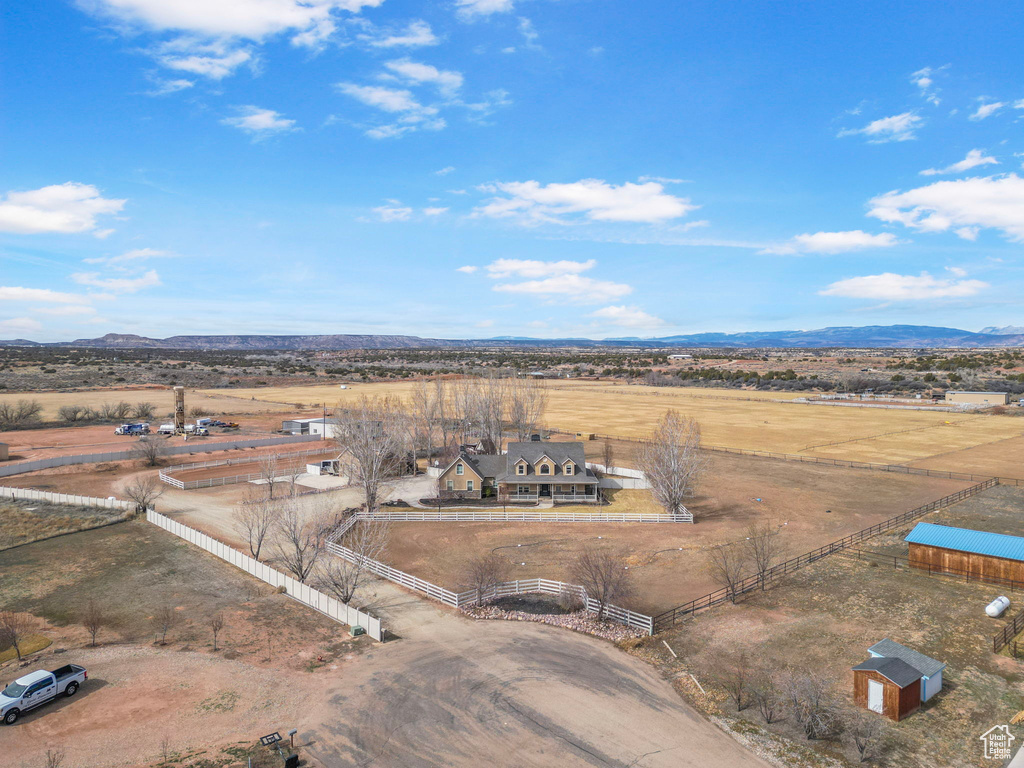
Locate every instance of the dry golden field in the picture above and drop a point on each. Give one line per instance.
(214, 400)
(750, 420)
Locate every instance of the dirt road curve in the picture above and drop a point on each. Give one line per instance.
(460, 693)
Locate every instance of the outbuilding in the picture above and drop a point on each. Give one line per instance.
(977, 398)
(4, 454)
(896, 680)
(964, 551)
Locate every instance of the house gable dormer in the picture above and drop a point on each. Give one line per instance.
(521, 468)
(569, 468)
(544, 465)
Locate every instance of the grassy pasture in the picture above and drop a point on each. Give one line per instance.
(729, 419)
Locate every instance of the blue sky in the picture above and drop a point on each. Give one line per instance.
(475, 168)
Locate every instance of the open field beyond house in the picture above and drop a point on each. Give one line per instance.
(450, 691)
(814, 505)
(736, 419)
(822, 619)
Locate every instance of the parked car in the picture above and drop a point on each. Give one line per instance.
(37, 688)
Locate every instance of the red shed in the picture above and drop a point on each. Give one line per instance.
(888, 686)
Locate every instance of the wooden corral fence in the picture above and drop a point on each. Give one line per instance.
(469, 597)
(759, 581)
(303, 593)
(898, 469)
(1010, 631)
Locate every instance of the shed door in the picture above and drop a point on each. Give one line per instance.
(875, 695)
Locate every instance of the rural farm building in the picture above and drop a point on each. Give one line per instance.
(895, 680)
(315, 426)
(4, 454)
(978, 398)
(961, 550)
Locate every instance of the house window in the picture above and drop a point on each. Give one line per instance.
(469, 485)
(451, 486)
(545, 469)
(569, 469)
(524, 489)
(520, 469)
(458, 469)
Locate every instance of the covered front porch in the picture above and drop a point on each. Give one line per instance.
(563, 492)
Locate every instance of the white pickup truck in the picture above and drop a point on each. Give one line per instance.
(37, 688)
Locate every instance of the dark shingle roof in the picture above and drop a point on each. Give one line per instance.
(896, 670)
(557, 452)
(926, 665)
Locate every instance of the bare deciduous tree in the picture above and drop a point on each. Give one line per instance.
(54, 757)
(608, 455)
(93, 619)
(150, 450)
(813, 703)
(485, 572)
(344, 579)
(734, 677)
(19, 414)
(603, 574)
(144, 491)
(764, 546)
(143, 410)
(373, 437)
(254, 519)
(423, 411)
(216, 624)
(673, 463)
(270, 471)
(298, 539)
(726, 564)
(766, 694)
(72, 413)
(868, 733)
(15, 628)
(164, 619)
(526, 402)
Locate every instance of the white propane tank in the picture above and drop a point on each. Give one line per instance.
(996, 607)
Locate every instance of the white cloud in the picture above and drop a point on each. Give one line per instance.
(214, 60)
(485, 324)
(468, 9)
(596, 199)
(528, 32)
(577, 288)
(393, 212)
(65, 208)
(39, 295)
(974, 158)
(18, 326)
(417, 34)
(434, 211)
(532, 268)
(446, 81)
(895, 128)
(251, 19)
(66, 310)
(627, 317)
(924, 79)
(165, 87)
(118, 284)
(445, 171)
(259, 122)
(834, 242)
(139, 254)
(387, 99)
(892, 287)
(468, 269)
(995, 202)
(987, 110)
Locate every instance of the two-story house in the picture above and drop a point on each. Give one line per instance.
(526, 472)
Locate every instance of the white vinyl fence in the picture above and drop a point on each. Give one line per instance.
(31, 494)
(469, 597)
(470, 514)
(289, 460)
(172, 450)
(305, 594)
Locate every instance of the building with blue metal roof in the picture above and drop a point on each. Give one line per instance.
(982, 554)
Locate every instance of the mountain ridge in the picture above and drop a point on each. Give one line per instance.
(872, 336)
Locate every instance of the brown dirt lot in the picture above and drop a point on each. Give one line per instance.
(669, 560)
(23, 521)
(286, 463)
(825, 616)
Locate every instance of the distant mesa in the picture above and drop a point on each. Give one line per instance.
(849, 337)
